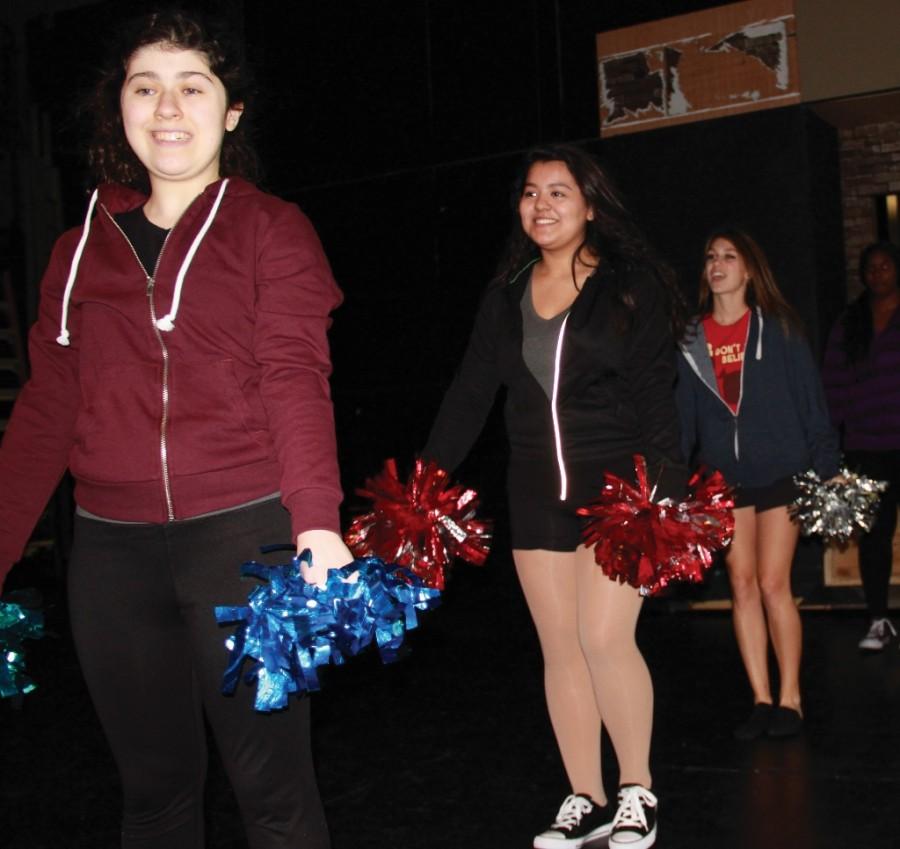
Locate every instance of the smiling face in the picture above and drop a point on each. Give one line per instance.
(725, 270)
(175, 113)
(552, 209)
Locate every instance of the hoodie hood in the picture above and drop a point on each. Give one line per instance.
(116, 198)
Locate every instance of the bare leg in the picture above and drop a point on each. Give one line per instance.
(548, 581)
(776, 539)
(749, 618)
(607, 616)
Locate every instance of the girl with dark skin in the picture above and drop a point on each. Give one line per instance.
(862, 384)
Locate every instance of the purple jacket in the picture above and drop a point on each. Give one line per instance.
(864, 397)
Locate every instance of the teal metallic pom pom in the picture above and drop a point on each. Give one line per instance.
(16, 624)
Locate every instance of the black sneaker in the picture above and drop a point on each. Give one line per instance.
(579, 820)
(785, 722)
(634, 825)
(757, 723)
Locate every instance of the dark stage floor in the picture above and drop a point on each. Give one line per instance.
(452, 747)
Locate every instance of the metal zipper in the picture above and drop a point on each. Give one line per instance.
(164, 420)
(737, 445)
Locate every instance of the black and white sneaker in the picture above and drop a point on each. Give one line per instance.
(579, 820)
(634, 825)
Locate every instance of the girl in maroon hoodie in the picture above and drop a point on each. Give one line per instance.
(180, 371)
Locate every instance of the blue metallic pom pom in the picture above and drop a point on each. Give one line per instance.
(16, 624)
(291, 627)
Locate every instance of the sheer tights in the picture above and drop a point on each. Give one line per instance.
(593, 670)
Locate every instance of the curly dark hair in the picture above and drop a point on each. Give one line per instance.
(762, 289)
(857, 318)
(110, 157)
(611, 235)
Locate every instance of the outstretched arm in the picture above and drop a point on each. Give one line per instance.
(295, 294)
(38, 439)
(471, 394)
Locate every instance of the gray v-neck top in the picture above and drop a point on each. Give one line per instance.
(539, 338)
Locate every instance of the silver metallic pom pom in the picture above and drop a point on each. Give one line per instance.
(836, 509)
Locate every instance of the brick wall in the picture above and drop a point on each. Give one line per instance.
(870, 166)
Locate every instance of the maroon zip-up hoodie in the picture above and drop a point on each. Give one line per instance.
(230, 404)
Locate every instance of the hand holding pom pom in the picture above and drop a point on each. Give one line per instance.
(650, 544)
(838, 508)
(422, 524)
(292, 627)
(328, 551)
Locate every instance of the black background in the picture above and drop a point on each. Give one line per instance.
(397, 127)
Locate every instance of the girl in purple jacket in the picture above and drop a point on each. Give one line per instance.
(862, 384)
(180, 371)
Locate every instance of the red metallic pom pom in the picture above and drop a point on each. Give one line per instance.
(649, 544)
(422, 524)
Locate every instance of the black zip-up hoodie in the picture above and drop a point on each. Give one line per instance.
(613, 387)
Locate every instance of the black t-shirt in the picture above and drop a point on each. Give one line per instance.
(144, 235)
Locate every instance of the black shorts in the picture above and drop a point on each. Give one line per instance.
(538, 518)
(779, 493)
(548, 524)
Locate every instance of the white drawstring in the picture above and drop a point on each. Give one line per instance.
(759, 335)
(167, 322)
(557, 437)
(63, 338)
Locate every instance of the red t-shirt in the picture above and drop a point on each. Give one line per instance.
(725, 343)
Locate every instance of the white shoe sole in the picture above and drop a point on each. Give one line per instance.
(541, 842)
(641, 843)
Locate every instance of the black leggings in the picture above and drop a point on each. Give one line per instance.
(876, 547)
(142, 599)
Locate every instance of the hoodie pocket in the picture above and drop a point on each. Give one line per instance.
(117, 430)
(211, 425)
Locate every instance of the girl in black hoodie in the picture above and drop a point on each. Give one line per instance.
(578, 326)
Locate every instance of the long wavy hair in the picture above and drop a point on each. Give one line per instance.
(612, 235)
(762, 290)
(110, 157)
(857, 318)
